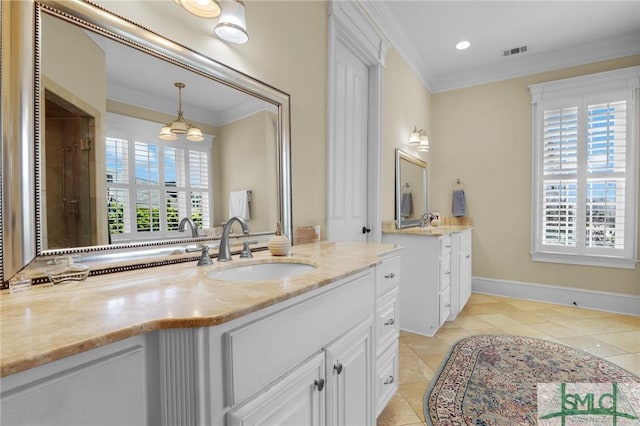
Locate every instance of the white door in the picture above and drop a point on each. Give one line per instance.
(347, 153)
(297, 400)
(349, 372)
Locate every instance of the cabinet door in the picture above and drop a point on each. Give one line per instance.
(105, 386)
(464, 276)
(349, 377)
(296, 399)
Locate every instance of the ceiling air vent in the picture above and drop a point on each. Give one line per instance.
(515, 51)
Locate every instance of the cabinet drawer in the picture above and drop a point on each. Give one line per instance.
(388, 274)
(257, 353)
(386, 377)
(387, 321)
(445, 245)
(445, 304)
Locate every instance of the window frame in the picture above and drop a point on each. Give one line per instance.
(579, 91)
(135, 130)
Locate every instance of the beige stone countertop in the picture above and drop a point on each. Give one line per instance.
(48, 322)
(429, 230)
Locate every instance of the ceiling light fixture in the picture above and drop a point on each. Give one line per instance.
(201, 8)
(231, 25)
(462, 45)
(179, 126)
(419, 140)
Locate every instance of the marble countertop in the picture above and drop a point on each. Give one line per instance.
(48, 323)
(429, 230)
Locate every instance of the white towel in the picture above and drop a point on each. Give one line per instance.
(239, 204)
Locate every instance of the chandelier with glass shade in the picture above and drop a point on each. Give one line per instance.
(179, 126)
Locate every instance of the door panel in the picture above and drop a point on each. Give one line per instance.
(347, 156)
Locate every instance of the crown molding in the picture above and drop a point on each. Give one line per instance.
(510, 67)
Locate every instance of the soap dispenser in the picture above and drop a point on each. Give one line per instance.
(279, 245)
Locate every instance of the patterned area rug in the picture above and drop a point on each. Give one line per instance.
(492, 379)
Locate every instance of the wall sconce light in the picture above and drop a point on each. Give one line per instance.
(419, 140)
(231, 25)
(207, 9)
(179, 126)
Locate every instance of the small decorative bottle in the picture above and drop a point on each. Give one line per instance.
(279, 245)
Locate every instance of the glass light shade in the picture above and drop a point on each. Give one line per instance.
(179, 127)
(195, 135)
(201, 8)
(231, 25)
(423, 146)
(167, 135)
(414, 138)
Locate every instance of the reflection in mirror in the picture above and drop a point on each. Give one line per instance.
(108, 177)
(411, 189)
(89, 94)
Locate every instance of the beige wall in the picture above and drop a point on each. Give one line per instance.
(287, 49)
(244, 158)
(407, 103)
(468, 130)
(482, 135)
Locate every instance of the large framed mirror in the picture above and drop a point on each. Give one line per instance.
(411, 189)
(94, 175)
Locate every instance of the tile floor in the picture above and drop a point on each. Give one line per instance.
(610, 336)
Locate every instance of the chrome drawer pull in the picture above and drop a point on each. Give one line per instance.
(448, 273)
(448, 305)
(468, 256)
(389, 380)
(447, 246)
(338, 367)
(319, 384)
(391, 275)
(390, 322)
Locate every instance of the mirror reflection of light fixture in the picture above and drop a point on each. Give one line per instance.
(201, 8)
(179, 126)
(419, 140)
(231, 25)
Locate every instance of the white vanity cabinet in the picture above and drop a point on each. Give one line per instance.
(307, 363)
(436, 280)
(108, 385)
(328, 356)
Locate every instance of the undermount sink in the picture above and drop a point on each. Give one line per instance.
(261, 271)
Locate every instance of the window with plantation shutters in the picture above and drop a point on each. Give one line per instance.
(153, 184)
(585, 179)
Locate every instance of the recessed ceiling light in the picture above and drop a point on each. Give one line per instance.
(464, 44)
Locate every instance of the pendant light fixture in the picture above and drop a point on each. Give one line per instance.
(207, 9)
(231, 25)
(179, 126)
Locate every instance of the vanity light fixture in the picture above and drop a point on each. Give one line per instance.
(207, 9)
(179, 126)
(231, 25)
(419, 140)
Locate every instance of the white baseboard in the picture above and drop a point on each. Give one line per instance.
(600, 300)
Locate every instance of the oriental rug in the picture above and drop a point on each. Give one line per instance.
(493, 379)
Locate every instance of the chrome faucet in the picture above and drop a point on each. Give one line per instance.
(194, 227)
(224, 254)
(426, 219)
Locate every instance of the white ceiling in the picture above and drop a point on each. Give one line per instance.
(558, 34)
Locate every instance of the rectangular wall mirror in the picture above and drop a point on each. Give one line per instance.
(411, 189)
(102, 90)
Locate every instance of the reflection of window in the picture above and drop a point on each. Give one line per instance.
(584, 169)
(151, 184)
